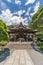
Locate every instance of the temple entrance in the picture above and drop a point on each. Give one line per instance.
(21, 33)
(21, 39)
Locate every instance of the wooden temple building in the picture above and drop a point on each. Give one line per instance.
(21, 32)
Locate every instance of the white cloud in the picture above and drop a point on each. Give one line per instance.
(20, 12)
(32, 14)
(18, 2)
(9, 19)
(9, 0)
(6, 16)
(28, 10)
(29, 18)
(29, 2)
(35, 8)
(17, 20)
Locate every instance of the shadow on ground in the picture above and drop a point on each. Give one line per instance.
(36, 48)
(5, 54)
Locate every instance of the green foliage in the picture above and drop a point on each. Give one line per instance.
(40, 34)
(37, 18)
(41, 47)
(40, 44)
(3, 43)
(40, 9)
(37, 22)
(3, 25)
(3, 31)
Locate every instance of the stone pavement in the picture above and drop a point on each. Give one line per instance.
(18, 57)
(21, 53)
(36, 56)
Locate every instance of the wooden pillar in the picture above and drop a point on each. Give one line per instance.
(15, 37)
(26, 37)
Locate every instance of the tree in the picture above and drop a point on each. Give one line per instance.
(3, 35)
(37, 22)
(3, 31)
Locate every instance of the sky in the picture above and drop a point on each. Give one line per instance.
(16, 11)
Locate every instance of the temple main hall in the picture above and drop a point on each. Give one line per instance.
(21, 32)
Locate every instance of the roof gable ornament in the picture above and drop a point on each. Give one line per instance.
(20, 25)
